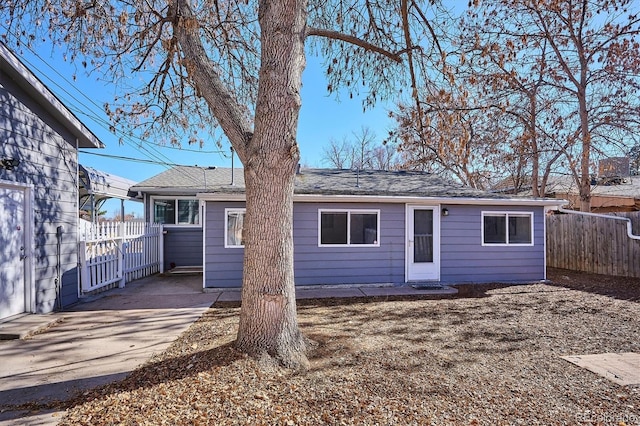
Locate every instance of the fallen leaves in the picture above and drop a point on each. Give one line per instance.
(489, 357)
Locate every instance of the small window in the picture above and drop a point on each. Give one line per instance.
(164, 211)
(233, 230)
(507, 228)
(350, 227)
(188, 212)
(176, 211)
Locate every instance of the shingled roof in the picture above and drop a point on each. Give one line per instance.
(193, 180)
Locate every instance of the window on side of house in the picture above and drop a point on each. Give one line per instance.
(176, 211)
(233, 227)
(507, 228)
(349, 228)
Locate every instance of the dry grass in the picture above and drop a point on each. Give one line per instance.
(488, 357)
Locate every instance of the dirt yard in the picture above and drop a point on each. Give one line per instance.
(487, 357)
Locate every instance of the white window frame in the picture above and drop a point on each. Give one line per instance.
(176, 199)
(226, 225)
(506, 215)
(349, 212)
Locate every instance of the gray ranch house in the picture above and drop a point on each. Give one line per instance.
(367, 227)
(39, 140)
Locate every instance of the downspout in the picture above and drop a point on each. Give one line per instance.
(630, 233)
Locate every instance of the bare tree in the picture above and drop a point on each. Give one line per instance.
(554, 79)
(592, 61)
(336, 154)
(360, 152)
(236, 64)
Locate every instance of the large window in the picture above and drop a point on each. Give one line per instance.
(176, 211)
(349, 227)
(507, 228)
(234, 224)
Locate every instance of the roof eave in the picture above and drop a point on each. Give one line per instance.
(35, 88)
(310, 198)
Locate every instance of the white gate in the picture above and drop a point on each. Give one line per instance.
(114, 253)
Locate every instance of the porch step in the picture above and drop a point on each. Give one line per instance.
(178, 270)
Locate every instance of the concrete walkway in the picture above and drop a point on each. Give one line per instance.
(104, 338)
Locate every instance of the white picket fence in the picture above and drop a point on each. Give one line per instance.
(114, 253)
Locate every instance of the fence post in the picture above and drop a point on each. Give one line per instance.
(120, 252)
(161, 248)
(85, 284)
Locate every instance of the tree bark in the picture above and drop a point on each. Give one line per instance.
(268, 322)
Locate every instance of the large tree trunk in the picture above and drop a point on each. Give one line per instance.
(268, 322)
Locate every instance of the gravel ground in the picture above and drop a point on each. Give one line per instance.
(487, 357)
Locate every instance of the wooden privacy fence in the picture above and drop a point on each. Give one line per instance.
(594, 244)
(114, 253)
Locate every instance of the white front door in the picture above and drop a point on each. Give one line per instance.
(12, 252)
(423, 243)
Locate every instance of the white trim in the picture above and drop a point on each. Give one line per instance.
(29, 241)
(203, 207)
(506, 214)
(409, 208)
(349, 212)
(317, 198)
(175, 198)
(226, 225)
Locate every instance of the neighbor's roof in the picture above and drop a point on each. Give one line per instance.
(16, 70)
(628, 187)
(218, 183)
(102, 185)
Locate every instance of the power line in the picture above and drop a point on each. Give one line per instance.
(137, 160)
(157, 156)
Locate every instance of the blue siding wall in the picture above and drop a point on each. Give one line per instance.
(223, 266)
(464, 259)
(348, 265)
(48, 162)
(182, 246)
(313, 264)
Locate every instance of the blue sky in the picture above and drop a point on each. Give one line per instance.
(322, 118)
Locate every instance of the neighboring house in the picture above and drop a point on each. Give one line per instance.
(615, 195)
(96, 187)
(620, 194)
(356, 227)
(39, 140)
(614, 189)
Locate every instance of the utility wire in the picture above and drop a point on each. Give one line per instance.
(159, 158)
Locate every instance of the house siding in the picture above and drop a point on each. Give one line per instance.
(463, 258)
(222, 266)
(314, 265)
(48, 162)
(182, 246)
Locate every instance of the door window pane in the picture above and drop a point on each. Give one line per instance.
(422, 236)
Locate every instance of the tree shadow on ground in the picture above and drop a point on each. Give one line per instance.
(149, 375)
(622, 288)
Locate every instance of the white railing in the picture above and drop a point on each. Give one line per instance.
(114, 253)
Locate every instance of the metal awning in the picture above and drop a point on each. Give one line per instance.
(96, 187)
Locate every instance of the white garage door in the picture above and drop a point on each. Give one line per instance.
(12, 251)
